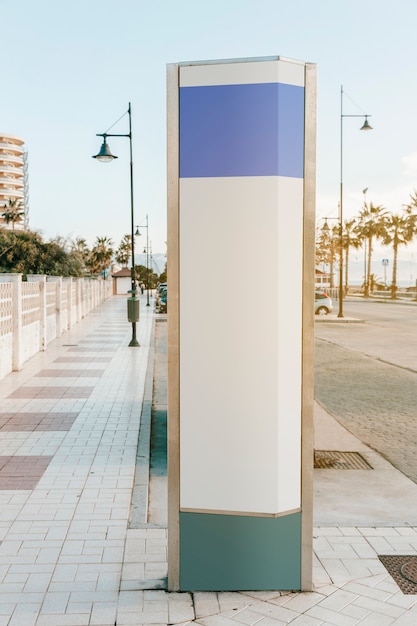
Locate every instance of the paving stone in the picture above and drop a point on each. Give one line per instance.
(70, 558)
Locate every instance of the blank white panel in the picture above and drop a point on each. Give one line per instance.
(240, 343)
(290, 277)
(249, 72)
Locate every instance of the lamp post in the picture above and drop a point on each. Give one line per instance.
(105, 156)
(326, 229)
(137, 233)
(149, 265)
(365, 274)
(365, 126)
(149, 260)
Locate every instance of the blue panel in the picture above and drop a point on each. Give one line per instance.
(234, 552)
(242, 130)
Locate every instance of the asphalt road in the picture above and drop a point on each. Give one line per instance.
(366, 377)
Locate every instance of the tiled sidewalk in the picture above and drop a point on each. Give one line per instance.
(69, 425)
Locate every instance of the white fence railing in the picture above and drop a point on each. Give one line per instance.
(34, 313)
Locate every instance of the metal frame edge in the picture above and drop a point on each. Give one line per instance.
(307, 441)
(173, 249)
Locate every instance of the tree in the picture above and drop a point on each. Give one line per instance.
(141, 273)
(80, 254)
(124, 251)
(13, 212)
(101, 256)
(327, 248)
(370, 226)
(53, 259)
(399, 231)
(349, 239)
(19, 251)
(163, 276)
(25, 252)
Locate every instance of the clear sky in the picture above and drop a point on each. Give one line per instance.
(70, 68)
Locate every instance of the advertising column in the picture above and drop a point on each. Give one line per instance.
(241, 170)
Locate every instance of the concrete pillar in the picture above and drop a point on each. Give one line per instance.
(79, 298)
(58, 302)
(67, 284)
(41, 279)
(17, 355)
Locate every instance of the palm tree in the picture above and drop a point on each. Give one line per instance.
(410, 209)
(399, 231)
(371, 226)
(81, 253)
(413, 201)
(349, 240)
(101, 255)
(124, 250)
(327, 247)
(13, 212)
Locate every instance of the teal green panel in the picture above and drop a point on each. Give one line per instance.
(235, 552)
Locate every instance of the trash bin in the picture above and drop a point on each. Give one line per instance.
(133, 309)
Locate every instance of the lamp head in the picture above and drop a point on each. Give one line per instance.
(137, 233)
(325, 227)
(105, 155)
(366, 125)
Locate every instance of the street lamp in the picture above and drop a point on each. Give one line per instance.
(138, 233)
(365, 126)
(105, 156)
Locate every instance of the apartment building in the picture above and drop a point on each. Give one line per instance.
(14, 190)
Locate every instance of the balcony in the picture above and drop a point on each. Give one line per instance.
(9, 148)
(6, 194)
(10, 171)
(11, 158)
(11, 183)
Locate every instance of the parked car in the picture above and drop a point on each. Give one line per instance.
(161, 305)
(159, 288)
(322, 303)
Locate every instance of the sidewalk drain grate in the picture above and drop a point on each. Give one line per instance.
(329, 459)
(403, 569)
